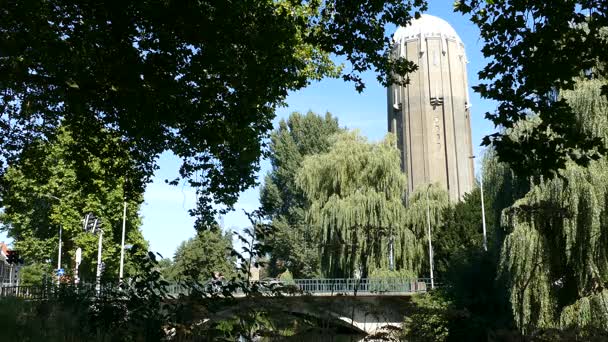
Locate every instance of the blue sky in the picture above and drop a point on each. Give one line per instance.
(166, 222)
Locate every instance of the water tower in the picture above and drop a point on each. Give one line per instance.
(431, 115)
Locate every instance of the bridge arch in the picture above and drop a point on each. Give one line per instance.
(361, 315)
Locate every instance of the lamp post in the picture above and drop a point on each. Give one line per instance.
(391, 253)
(93, 228)
(59, 256)
(428, 220)
(122, 245)
(483, 215)
(60, 233)
(483, 212)
(78, 261)
(98, 273)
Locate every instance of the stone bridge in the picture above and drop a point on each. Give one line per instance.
(366, 306)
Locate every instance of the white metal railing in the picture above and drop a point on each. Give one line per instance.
(336, 286)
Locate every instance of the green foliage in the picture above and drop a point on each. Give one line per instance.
(555, 258)
(355, 192)
(523, 263)
(466, 272)
(46, 190)
(381, 280)
(425, 206)
(587, 312)
(502, 187)
(396, 274)
(200, 257)
(429, 320)
(201, 79)
(136, 313)
(536, 50)
(294, 245)
(35, 274)
(286, 277)
(165, 267)
(460, 233)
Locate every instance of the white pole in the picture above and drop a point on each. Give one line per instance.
(483, 214)
(122, 245)
(428, 220)
(78, 260)
(391, 254)
(98, 276)
(59, 256)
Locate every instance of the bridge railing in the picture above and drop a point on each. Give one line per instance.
(365, 285)
(53, 291)
(349, 286)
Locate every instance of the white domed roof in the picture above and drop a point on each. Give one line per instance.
(426, 26)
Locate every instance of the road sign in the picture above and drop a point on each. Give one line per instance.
(60, 272)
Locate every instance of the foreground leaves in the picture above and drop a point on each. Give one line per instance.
(201, 79)
(536, 50)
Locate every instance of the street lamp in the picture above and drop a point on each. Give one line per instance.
(78, 261)
(60, 233)
(391, 252)
(93, 225)
(483, 211)
(122, 245)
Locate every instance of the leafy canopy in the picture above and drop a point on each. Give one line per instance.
(201, 79)
(425, 206)
(460, 233)
(356, 203)
(294, 243)
(201, 256)
(536, 49)
(45, 191)
(555, 258)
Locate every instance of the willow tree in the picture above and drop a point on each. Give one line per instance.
(356, 203)
(424, 214)
(555, 258)
(293, 245)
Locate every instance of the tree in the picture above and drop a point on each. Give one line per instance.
(460, 233)
(34, 274)
(536, 50)
(479, 304)
(44, 191)
(356, 194)
(198, 258)
(425, 206)
(165, 267)
(201, 79)
(555, 257)
(293, 244)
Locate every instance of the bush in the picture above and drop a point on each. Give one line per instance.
(383, 280)
(287, 278)
(397, 274)
(430, 320)
(34, 274)
(133, 313)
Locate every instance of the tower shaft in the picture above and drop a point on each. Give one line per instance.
(431, 115)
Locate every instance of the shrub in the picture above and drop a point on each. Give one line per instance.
(430, 319)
